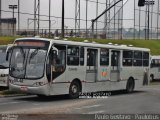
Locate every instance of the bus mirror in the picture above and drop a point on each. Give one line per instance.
(8, 52)
(141, 3)
(7, 56)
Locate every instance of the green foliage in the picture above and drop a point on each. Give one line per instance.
(6, 40)
(154, 45)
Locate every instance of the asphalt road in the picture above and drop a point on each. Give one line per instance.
(143, 101)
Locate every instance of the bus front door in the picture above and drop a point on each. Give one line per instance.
(115, 65)
(91, 73)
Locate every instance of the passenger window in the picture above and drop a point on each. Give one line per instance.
(127, 58)
(104, 57)
(145, 59)
(73, 55)
(137, 58)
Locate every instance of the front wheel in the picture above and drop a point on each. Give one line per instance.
(130, 86)
(74, 90)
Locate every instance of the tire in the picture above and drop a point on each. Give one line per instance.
(130, 85)
(74, 90)
(41, 96)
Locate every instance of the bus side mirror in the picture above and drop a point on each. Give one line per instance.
(8, 52)
(7, 56)
(141, 3)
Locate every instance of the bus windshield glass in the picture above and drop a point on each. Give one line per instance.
(3, 63)
(28, 62)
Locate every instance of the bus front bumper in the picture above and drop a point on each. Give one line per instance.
(40, 90)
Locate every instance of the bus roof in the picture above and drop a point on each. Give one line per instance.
(88, 44)
(155, 57)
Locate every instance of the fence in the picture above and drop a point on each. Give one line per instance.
(125, 20)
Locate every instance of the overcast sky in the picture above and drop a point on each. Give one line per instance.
(27, 6)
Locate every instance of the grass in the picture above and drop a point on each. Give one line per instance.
(7, 40)
(153, 45)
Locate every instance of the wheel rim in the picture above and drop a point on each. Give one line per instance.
(74, 89)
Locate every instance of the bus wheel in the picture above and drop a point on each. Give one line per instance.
(130, 85)
(74, 90)
(41, 96)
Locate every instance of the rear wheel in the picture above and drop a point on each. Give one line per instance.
(74, 90)
(130, 85)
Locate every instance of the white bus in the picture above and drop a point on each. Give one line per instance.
(155, 68)
(54, 67)
(4, 66)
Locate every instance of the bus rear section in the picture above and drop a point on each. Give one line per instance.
(4, 66)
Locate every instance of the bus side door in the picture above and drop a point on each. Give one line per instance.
(115, 65)
(92, 63)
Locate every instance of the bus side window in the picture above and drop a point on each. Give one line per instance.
(137, 58)
(127, 58)
(73, 55)
(104, 57)
(145, 59)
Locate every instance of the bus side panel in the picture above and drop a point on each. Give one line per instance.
(4, 77)
(155, 71)
(137, 73)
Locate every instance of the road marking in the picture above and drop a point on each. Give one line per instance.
(88, 107)
(10, 103)
(95, 112)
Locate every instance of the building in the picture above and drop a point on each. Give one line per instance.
(7, 26)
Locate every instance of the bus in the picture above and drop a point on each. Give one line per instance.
(4, 66)
(155, 68)
(48, 67)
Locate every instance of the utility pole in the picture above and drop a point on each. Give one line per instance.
(0, 9)
(49, 18)
(62, 32)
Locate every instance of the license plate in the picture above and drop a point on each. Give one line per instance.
(24, 88)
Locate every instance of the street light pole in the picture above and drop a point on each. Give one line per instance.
(13, 7)
(62, 19)
(0, 9)
(49, 18)
(35, 17)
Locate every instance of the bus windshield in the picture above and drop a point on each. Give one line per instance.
(27, 63)
(3, 63)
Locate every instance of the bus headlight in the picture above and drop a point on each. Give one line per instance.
(39, 84)
(3, 75)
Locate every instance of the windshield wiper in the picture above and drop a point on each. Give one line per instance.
(33, 54)
(3, 67)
